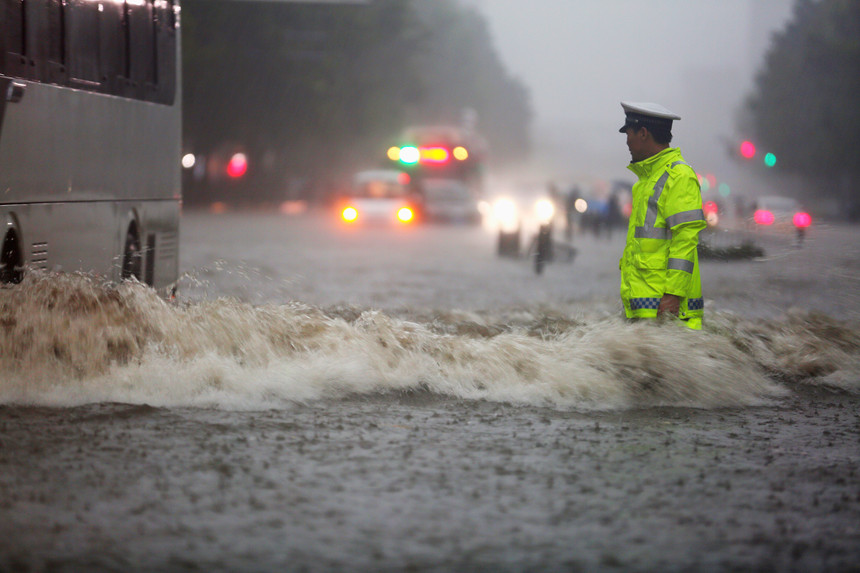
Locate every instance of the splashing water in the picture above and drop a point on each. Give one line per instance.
(70, 339)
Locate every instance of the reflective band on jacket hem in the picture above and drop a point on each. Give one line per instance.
(685, 217)
(680, 265)
(640, 303)
(654, 303)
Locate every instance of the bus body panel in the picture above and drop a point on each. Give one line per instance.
(72, 145)
(90, 236)
(90, 143)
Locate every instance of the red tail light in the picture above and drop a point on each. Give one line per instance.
(802, 220)
(763, 217)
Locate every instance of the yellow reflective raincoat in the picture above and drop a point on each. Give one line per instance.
(661, 255)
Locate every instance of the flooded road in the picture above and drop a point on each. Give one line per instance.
(324, 399)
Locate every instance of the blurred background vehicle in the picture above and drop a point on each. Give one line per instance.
(449, 201)
(379, 196)
(781, 215)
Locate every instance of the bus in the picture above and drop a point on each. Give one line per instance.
(90, 136)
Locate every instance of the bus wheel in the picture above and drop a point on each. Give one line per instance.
(11, 262)
(132, 258)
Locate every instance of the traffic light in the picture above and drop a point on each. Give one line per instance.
(237, 165)
(747, 150)
(770, 159)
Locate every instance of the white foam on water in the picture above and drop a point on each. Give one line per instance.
(67, 340)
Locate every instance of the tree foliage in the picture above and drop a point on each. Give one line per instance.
(318, 89)
(805, 105)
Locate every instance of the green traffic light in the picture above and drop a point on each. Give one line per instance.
(770, 159)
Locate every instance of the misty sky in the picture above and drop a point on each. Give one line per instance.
(579, 58)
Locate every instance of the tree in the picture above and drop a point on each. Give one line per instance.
(319, 89)
(804, 106)
(461, 70)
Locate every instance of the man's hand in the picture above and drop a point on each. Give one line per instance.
(670, 304)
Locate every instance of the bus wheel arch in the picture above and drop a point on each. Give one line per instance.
(11, 258)
(132, 257)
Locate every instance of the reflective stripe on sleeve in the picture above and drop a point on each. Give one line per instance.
(695, 304)
(680, 265)
(685, 217)
(655, 233)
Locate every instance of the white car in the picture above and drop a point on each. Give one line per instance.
(380, 196)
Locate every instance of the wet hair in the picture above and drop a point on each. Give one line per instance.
(661, 135)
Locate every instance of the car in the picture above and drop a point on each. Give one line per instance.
(379, 196)
(780, 213)
(449, 201)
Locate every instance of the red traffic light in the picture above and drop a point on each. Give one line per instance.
(237, 166)
(747, 149)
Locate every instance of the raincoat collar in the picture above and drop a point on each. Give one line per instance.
(644, 168)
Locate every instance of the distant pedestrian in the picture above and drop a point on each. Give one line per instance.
(570, 211)
(660, 263)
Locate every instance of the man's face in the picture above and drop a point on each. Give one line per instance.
(636, 143)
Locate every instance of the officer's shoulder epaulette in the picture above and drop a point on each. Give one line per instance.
(676, 168)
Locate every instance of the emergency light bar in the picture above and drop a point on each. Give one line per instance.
(427, 154)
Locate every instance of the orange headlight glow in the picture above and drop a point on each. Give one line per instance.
(349, 214)
(405, 214)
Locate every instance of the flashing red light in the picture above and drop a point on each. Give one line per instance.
(434, 154)
(237, 166)
(748, 149)
(403, 178)
(763, 217)
(802, 220)
(710, 207)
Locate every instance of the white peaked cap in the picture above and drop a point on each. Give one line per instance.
(650, 109)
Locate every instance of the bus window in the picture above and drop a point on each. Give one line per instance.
(13, 28)
(55, 56)
(141, 38)
(112, 46)
(83, 28)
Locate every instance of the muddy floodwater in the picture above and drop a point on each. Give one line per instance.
(317, 401)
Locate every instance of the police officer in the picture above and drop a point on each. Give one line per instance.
(660, 263)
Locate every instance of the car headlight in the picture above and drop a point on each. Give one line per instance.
(405, 215)
(545, 210)
(349, 214)
(505, 213)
